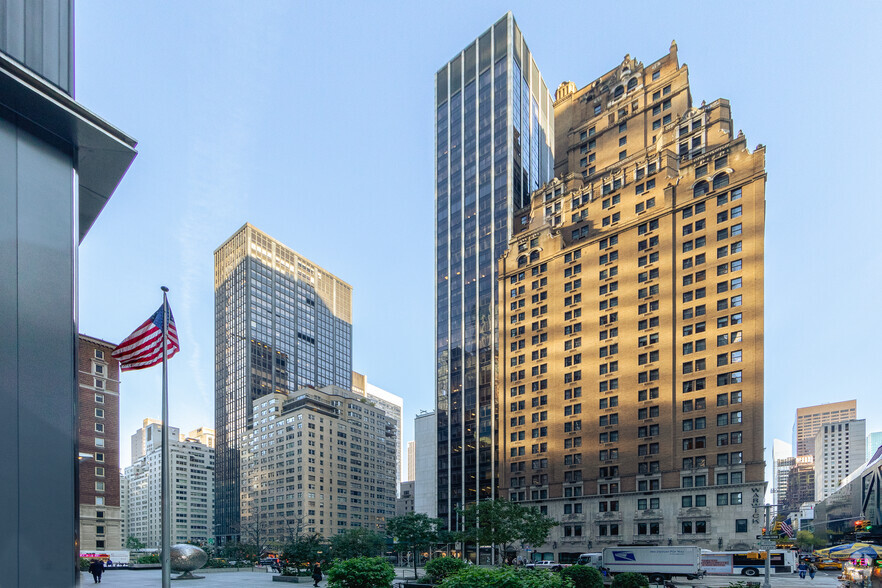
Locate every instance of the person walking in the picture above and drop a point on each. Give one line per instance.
(811, 570)
(96, 568)
(317, 573)
(803, 568)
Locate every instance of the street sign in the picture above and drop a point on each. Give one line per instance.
(767, 544)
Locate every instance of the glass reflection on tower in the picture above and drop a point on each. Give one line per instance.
(494, 136)
(281, 323)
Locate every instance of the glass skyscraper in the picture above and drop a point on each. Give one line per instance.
(494, 137)
(281, 323)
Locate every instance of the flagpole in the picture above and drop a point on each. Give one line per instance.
(165, 492)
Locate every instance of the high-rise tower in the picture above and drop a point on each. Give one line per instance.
(493, 146)
(281, 323)
(631, 314)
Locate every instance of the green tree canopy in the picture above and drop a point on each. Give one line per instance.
(412, 532)
(583, 576)
(133, 542)
(500, 522)
(357, 542)
(361, 572)
(303, 550)
(630, 580)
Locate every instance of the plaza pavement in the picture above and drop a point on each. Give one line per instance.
(259, 577)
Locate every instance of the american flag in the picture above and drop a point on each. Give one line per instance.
(787, 527)
(143, 348)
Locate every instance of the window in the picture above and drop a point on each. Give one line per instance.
(99, 486)
(99, 427)
(741, 525)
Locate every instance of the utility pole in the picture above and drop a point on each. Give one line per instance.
(767, 539)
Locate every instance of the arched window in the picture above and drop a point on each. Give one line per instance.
(632, 83)
(534, 256)
(619, 91)
(721, 181)
(522, 261)
(700, 189)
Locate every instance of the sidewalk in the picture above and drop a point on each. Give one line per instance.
(227, 577)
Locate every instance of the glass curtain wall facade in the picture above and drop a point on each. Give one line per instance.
(494, 146)
(281, 323)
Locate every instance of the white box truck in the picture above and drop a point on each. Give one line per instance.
(655, 562)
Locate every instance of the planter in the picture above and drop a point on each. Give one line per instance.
(293, 579)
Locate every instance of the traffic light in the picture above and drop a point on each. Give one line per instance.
(863, 526)
(764, 530)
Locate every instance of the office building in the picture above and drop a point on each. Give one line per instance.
(800, 483)
(425, 484)
(391, 404)
(317, 461)
(411, 460)
(202, 435)
(781, 454)
(281, 323)
(783, 467)
(59, 165)
(404, 504)
(874, 441)
(631, 322)
(839, 449)
(494, 147)
(100, 515)
(192, 483)
(144, 438)
(810, 418)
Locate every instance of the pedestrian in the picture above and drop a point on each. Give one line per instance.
(96, 568)
(317, 573)
(109, 563)
(811, 570)
(803, 568)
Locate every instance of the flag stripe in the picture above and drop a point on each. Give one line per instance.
(143, 348)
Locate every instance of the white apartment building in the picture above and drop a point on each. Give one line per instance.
(840, 449)
(425, 491)
(320, 461)
(192, 486)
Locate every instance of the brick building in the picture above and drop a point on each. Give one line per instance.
(99, 487)
(631, 322)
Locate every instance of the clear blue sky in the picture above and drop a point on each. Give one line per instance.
(313, 121)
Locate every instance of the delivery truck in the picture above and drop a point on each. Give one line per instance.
(655, 562)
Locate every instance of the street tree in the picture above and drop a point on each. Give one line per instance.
(413, 532)
(357, 542)
(502, 523)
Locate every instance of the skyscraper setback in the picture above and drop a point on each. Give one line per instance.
(281, 323)
(631, 315)
(494, 146)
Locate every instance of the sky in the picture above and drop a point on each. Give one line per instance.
(314, 122)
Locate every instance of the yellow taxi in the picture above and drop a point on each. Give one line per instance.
(829, 564)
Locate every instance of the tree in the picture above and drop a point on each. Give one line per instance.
(535, 527)
(134, 543)
(500, 522)
(630, 580)
(361, 572)
(808, 540)
(255, 535)
(491, 522)
(442, 567)
(583, 576)
(357, 542)
(303, 550)
(412, 532)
